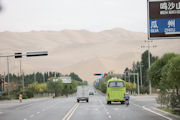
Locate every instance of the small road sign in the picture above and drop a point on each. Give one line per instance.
(65, 79)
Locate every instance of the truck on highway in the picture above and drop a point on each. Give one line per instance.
(116, 90)
(82, 93)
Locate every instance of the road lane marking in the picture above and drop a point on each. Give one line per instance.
(105, 109)
(25, 106)
(136, 105)
(1, 112)
(31, 115)
(25, 119)
(70, 112)
(37, 112)
(156, 113)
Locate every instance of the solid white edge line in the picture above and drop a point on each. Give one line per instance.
(65, 117)
(156, 113)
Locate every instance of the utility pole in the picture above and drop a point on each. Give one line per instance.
(8, 74)
(149, 60)
(34, 77)
(125, 77)
(4, 81)
(141, 73)
(21, 73)
(1, 80)
(138, 83)
(23, 80)
(138, 90)
(20, 67)
(149, 64)
(43, 77)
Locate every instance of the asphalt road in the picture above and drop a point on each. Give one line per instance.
(140, 108)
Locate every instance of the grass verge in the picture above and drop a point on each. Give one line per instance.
(169, 110)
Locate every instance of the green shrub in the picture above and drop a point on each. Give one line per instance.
(28, 94)
(144, 90)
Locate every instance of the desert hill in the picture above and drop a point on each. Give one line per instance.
(79, 51)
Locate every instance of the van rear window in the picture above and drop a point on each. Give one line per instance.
(116, 84)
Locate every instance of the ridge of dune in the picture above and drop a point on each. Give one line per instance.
(80, 51)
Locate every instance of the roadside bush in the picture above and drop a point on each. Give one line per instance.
(5, 98)
(101, 86)
(165, 75)
(28, 94)
(175, 102)
(163, 99)
(55, 87)
(131, 87)
(144, 90)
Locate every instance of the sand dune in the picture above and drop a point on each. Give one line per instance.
(79, 51)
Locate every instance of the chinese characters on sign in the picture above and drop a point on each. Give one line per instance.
(164, 18)
(169, 8)
(171, 26)
(154, 27)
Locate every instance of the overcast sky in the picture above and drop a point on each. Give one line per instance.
(93, 15)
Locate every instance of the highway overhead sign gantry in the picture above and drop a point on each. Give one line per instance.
(19, 55)
(163, 19)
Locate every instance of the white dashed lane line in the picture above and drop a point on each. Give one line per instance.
(24, 107)
(37, 112)
(136, 105)
(31, 115)
(1, 112)
(105, 109)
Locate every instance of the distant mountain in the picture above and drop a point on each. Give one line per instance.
(79, 51)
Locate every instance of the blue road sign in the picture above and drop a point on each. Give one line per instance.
(167, 26)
